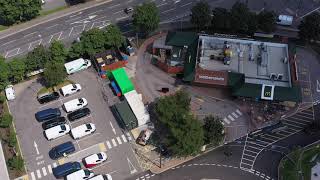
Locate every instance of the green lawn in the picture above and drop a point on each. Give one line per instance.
(2, 27)
(44, 13)
(289, 170)
(50, 89)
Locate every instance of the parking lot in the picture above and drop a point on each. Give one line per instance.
(108, 137)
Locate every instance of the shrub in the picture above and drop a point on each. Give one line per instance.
(2, 98)
(5, 120)
(16, 162)
(12, 141)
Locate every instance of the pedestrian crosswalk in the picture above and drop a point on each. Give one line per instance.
(232, 117)
(114, 142)
(42, 172)
(259, 140)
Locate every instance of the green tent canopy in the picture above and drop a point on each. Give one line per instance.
(121, 78)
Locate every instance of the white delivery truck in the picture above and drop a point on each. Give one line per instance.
(77, 65)
(285, 20)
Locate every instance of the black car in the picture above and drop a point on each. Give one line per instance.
(47, 97)
(54, 122)
(79, 114)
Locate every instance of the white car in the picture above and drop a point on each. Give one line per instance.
(95, 159)
(102, 177)
(10, 93)
(83, 130)
(80, 174)
(57, 131)
(75, 104)
(70, 89)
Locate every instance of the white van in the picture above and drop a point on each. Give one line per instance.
(81, 174)
(77, 65)
(75, 104)
(10, 93)
(57, 131)
(70, 89)
(102, 177)
(83, 130)
(285, 20)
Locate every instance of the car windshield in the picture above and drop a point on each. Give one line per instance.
(74, 86)
(88, 126)
(63, 127)
(80, 100)
(99, 156)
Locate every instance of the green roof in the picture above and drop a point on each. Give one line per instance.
(122, 79)
(190, 62)
(125, 115)
(181, 38)
(235, 79)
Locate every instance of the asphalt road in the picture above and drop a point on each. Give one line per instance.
(69, 27)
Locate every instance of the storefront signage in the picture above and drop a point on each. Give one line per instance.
(211, 78)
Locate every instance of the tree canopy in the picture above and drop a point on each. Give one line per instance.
(13, 11)
(37, 58)
(200, 15)
(54, 73)
(242, 20)
(58, 53)
(309, 28)
(221, 19)
(113, 36)
(267, 21)
(183, 132)
(93, 41)
(146, 17)
(4, 73)
(213, 130)
(17, 69)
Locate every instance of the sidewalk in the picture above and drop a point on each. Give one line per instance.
(40, 20)
(3, 171)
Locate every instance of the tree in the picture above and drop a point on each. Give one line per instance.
(213, 130)
(182, 132)
(200, 15)
(13, 11)
(93, 41)
(221, 19)
(17, 69)
(37, 58)
(309, 28)
(113, 36)
(146, 17)
(76, 50)
(58, 52)
(4, 73)
(54, 73)
(242, 19)
(267, 21)
(16, 162)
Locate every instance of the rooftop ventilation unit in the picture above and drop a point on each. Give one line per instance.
(273, 76)
(280, 76)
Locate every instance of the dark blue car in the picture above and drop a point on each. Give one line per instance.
(62, 150)
(65, 169)
(47, 114)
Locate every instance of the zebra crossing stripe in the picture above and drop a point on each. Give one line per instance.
(44, 171)
(114, 143)
(38, 173)
(119, 140)
(226, 120)
(239, 112)
(129, 136)
(124, 138)
(235, 115)
(49, 169)
(55, 165)
(109, 145)
(33, 177)
(230, 117)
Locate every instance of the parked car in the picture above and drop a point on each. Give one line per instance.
(57, 131)
(10, 94)
(77, 65)
(81, 174)
(102, 177)
(83, 130)
(66, 169)
(62, 150)
(95, 159)
(144, 137)
(47, 114)
(79, 114)
(75, 104)
(47, 97)
(70, 89)
(54, 122)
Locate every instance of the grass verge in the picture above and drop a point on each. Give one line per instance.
(2, 27)
(51, 89)
(44, 13)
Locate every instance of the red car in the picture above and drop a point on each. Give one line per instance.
(95, 159)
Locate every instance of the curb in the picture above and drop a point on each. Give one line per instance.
(41, 20)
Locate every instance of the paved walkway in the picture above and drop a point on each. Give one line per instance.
(3, 170)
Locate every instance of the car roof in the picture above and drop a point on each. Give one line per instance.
(94, 157)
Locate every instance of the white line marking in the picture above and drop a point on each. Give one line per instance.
(70, 31)
(114, 130)
(44, 171)
(55, 164)
(168, 10)
(50, 168)
(119, 140)
(38, 173)
(230, 117)
(30, 34)
(310, 12)
(235, 115)
(124, 138)
(52, 26)
(108, 144)
(161, 4)
(114, 143)
(94, 13)
(33, 177)
(8, 54)
(186, 4)
(129, 136)
(239, 112)
(226, 120)
(114, 6)
(131, 167)
(73, 19)
(8, 43)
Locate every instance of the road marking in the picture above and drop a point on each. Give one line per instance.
(44, 171)
(186, 4)
(131, 167)
(129, 136)
(76, 14)
(230, 117)
(16, 52)
(102, 147)
(60, 33)
(52, 26)
(124, 138)
(38, 173)
(70, 31)
(33, 177)
(119, 140)
(161, 4)
(36, 147)
(168, 10)
(114, 6)
(35, 42)
(94, 13)
(55, 164)
(50, 168)
(114, 130)
(8, 43)
(60, 161)
(108, 144)
(114, 143)
(239, 112)
(235, 115)
(316, 9)
(30, 34)
(226, 120)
